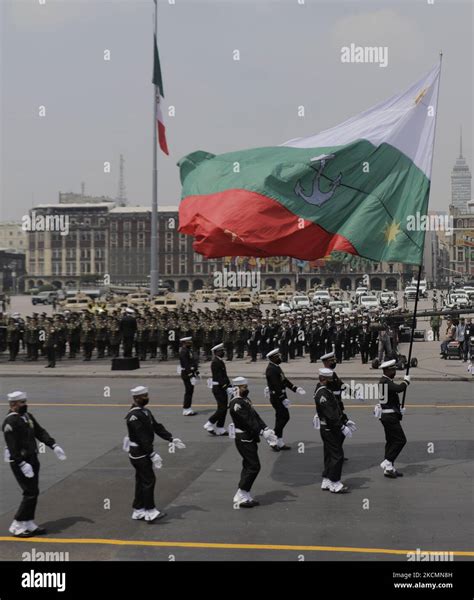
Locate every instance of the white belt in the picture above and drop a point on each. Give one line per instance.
(239, 430)
(388, 410)
(133, 445)
(215, 383)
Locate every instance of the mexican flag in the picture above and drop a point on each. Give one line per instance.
(350, 188)
(159, 95)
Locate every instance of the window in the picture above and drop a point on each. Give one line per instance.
(198, 267)
(56, 255)
(56, 268)
(182, 242)
(113, 226)
(141, 225)
(71, 253)
(168, 242)
(168, 265)
(127, 226)
(182, 264)
(127, 240)
(197, 257)
(113, 240)
(140, 240)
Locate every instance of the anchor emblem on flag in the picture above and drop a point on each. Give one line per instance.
(317, 196)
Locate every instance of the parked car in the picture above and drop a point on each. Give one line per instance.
(369, 301)
(321, 297)
(388, 299)
(300, 301)
(44, 298)
(410, 292)
(361, 291)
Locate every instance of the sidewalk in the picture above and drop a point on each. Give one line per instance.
(430, 368)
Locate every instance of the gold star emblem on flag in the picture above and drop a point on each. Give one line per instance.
(421, 95)
(391, 231)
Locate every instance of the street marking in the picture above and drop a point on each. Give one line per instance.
(81, 404)
(223, 546)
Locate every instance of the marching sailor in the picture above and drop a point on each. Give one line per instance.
(220, 384)
(189, 374)
(142, 427)
(390, 412)
(247, 427)
(21, 430)
(277, 384)
(333, 430)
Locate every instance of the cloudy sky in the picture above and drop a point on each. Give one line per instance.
(290, 55)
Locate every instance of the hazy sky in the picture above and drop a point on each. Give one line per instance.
(290, 55)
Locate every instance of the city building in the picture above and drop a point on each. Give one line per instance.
(12, 236)
(460, 182)
(12, 271)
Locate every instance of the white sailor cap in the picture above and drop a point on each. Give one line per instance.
(326, 372)
(388, 363)
(139, 390)
(218, 347)
(186, 339)
(239, 381)
(130, 311)
(327, 356)
(273, 352)
(15, 396)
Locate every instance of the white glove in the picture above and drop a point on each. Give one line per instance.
(270, 436)
(266, 392)
(351, 425)
(407, 378)
(178, 443)
(59, 452)
(6, 455)
(403, 410)
(27, 469)
(156, 460)
(358, 396)
(346, 431)
(286, 403)
(316, 422)
(210, 383)
(300, 391)
(377, 411)
(230, 392)
(126, 444)
(193, 380)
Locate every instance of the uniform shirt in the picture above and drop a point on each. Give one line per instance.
(142, 427)
(328, 408)
(390, 391)
(219, 373)
(277, 382)
(187, 362)
(246, 418)
(21, 433)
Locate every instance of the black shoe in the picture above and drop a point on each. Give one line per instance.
(275, 448)
(211, 432)
(343, 490)
(399, 474)
(222, 434)
(390, 474)
(285, 447)
(345, 458)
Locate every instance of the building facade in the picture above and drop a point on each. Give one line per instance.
(460, 182)
(12, 237)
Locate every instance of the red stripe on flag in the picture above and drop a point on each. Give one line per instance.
(244, 223)
(162, 137)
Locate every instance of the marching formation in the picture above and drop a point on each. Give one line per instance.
(154, 335)
(22, 431)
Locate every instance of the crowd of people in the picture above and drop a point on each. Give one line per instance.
(154, 335)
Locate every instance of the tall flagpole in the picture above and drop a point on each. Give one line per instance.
(420, 267)
(154, 201)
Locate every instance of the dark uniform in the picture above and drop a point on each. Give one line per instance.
(248, 428)
(330, 415)
(189, 369)
(391, 416)
(21, 433)
(142, 427)
(277, 384)
(220, 383)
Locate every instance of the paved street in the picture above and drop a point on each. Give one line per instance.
(86, 500)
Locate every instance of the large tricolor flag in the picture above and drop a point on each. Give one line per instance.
(350, 188)
(157, 80)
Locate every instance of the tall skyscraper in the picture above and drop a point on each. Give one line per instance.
(460, 181)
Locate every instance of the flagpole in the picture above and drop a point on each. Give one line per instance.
(413, 323)
(154, 201)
